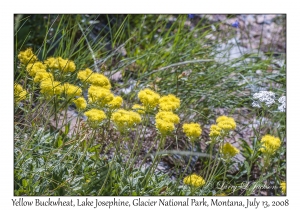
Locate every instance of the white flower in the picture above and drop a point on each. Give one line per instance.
(255, 104)
(281, 100)
(282, 107)
(266, 97)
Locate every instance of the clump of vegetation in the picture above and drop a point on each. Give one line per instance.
(79, 132)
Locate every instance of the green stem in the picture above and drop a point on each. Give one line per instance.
(210, 158)
(226, 166)
(155, 161)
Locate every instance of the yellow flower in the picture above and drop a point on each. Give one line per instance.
(215, 131)
(27, 56)
(95, 115)
(164, 127)
(50, 87)
(138, 108)
(270, 144)
(229, 151)
(115, 103)
(99, 80)
(221, 118)
(283, 187)
(192, 130)
(19, 93)
(41, 76)
(52, 63)
(169, 103)
(66, 65)
(34, 68)
(167, 116)
(226, 123)
(84, 75)
(80, 103)
(100, 96)
(62, 64)
(149, 98)
(194, 180)
(125, 119)
(72, 90)
(164, 122)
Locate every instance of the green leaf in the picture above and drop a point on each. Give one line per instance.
(24, 183)
(247, 167)
(60, 142)
(67, 128)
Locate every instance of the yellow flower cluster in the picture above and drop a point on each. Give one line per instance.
(115, 103)
(169, 103)
(165, 121)
(34, 68)
(283, 187)
(48, 85)
(42, 75)
(63, 65)
(99, 80)
(192, 130)
(95, 115)
(215, 131)
(19, 93)
(194, 180)
(228, 150)
(51, 88)
(72, 90)
(149, 98)
(84, 75)
(27, 56)
(138, 108)
(125, 119)
(270, 144)
(226, 123)
(99, 96)
(167, 116)
(96, 79)
(80, 103)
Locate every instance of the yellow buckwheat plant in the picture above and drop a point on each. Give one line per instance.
(50, 87)
(149, 98)
(215, 131)
(80, 103)
(64, 65)
(84, 75)
(229, 151)
(72, 90)
(165, 121)
(95, 115)
(226, 123)
(27, 56)
(115, 103)
(124, 119)
(270, 144)
(99, 80)
(99, 95)
(192, 130)
(169, 103)
(19, 93)
(194, 180)
(42, 75)
(34, 68)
